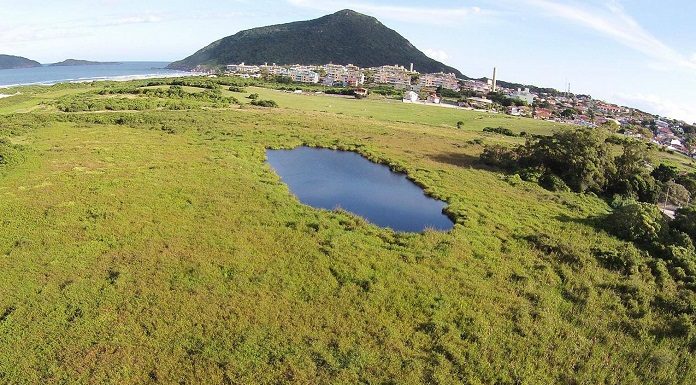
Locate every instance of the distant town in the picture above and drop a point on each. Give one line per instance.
(487, 94)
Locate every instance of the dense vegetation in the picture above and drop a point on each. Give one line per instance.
(146, 247)
(9, 62)
(345, 37)
(584, 160)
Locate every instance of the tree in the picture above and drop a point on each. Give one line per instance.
(638, 222)
(611, 126)
(632, 178)
(685, 221)
(568, 113)
(633, 160)
(664, 173)
(690, 143)
(676, 194)
(582, 158)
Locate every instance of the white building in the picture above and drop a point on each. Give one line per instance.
(274, 70)
(477, 85)
(524, 96)
(243, 68)
(410, 97)
(303, 75)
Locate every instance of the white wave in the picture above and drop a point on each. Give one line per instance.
(116, 78)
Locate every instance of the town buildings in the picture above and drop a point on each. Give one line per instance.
(448, 81)
(396, 75)
(302, 74)
(349, 75)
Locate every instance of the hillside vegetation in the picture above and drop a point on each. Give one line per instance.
(144, 240)
(345, 37)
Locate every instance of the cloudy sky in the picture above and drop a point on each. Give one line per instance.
(640, 53)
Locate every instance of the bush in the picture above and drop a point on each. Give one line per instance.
(664, 173)
(642, 223)
(264, 103)
(552, 182)
(685, 221)
(499, 130)
(237, 89)
(499, 156)
(460, 124)
(253, 96)
(531, 174)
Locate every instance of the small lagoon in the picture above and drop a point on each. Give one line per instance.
(331, 179)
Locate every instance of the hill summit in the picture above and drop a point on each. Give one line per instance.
(345, 37)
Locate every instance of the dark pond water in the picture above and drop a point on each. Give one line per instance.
(330, 179)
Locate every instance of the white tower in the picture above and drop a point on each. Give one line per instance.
(495, 85)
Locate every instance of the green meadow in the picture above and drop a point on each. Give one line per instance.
(154, 245)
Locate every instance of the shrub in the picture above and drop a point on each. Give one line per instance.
(237, 89)
(264, 103)
(553, 182)
(253, 96)
(685, 221)
(531, 174)
(499, 130)
(664, 173)
(499, 156)
(460, 124)
(643, 223)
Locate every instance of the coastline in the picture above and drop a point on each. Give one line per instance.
(117, 78)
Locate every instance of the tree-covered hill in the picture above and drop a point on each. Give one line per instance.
(345, 37)
(10, 62)
(76, 62)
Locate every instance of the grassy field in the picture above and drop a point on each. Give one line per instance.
(390, 110)
(158, 247)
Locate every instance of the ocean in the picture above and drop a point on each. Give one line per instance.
(51, 75)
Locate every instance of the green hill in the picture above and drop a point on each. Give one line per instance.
(75, 62)
(10, 62)
(345, 37)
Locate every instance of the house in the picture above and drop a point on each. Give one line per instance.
(433, 98)
(523, 95)
(542, 113)
(481, 103)
(410, 97)
(518, 111)
(477, 86)
(361, 93)
(274, 70)
(243, 68)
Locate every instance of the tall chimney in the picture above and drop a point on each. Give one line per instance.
(495, 86)
(411, 67)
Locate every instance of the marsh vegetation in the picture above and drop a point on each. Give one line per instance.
(155, 245)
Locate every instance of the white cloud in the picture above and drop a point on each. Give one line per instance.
(427, 15)
(611, 20)
(68, 29)
(658, 105)
(436, 54)
(144, 19)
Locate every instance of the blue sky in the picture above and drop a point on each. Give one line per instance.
(640, 53)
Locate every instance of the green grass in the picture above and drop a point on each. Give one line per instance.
(165, 250)
(396, 111)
